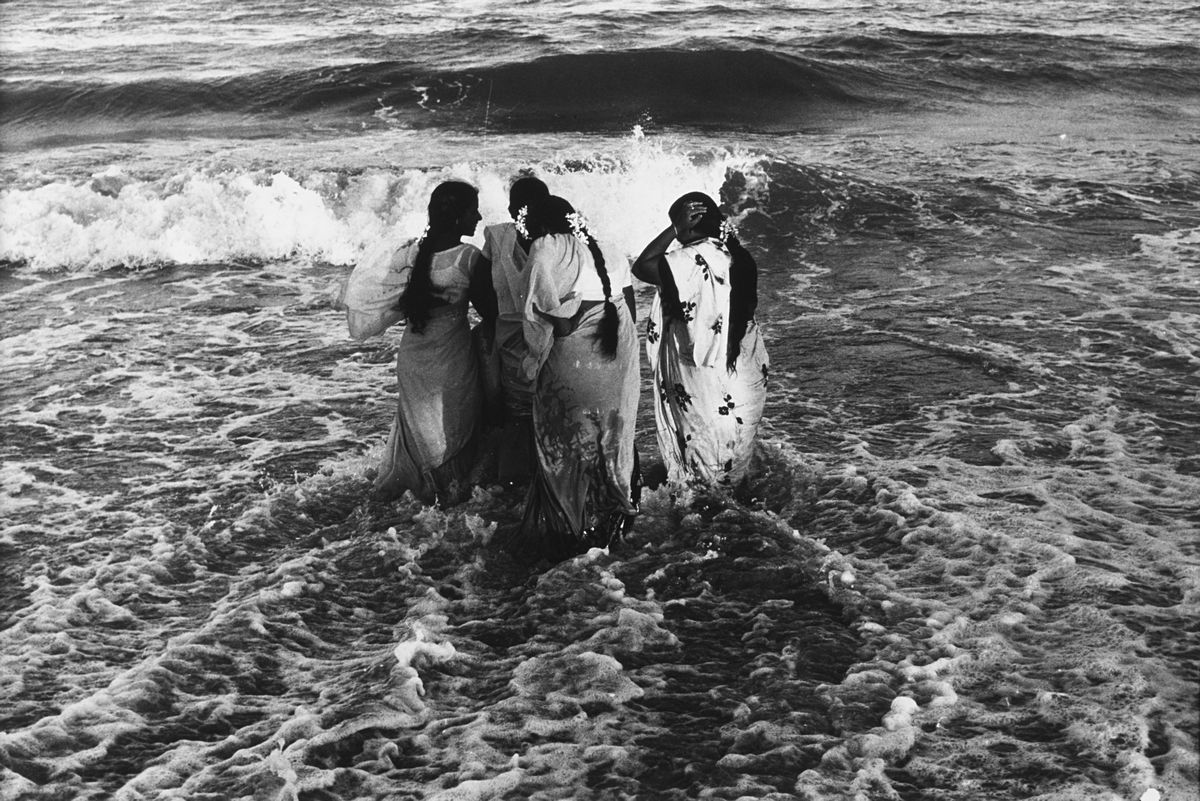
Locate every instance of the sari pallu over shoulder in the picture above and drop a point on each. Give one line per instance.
(585, 410)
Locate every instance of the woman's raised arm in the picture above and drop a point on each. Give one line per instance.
(648, 266)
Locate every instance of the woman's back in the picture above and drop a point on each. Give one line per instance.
(450, 271)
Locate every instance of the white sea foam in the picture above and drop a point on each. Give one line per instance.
(1179, 249)
(1008, 556)
(214, 215)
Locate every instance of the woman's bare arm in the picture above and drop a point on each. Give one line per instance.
(648, 266)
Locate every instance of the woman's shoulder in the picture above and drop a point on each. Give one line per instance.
(701, 251)
(468, 256)
(552, 245)
(458, 259)
(499, 240)
(462, 252)
(498, 232)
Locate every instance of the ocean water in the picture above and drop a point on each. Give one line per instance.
(968, 566)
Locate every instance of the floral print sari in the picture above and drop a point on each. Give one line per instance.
(707, 416)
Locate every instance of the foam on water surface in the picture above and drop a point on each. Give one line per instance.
(719, 647)
(212, 216)
(966, 567)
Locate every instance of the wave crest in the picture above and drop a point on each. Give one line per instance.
(592, 91)
(721, 86)
(208, 217)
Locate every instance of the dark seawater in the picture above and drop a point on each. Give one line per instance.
(968, 566)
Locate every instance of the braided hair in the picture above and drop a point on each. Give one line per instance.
(448, 203)
(743, 271)
(555, 215)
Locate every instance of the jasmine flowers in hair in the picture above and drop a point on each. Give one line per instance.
(728, 229)
(579, 226)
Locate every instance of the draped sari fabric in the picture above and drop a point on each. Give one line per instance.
(432, 445)
(707, 417)
(584, 408)
(370, 293)
(510, 280)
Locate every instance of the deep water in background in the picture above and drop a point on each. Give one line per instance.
(968, 566)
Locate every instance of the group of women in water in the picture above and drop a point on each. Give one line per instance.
(552, 371)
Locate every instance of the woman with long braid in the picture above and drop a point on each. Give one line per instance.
(432, 446)
(706, 352)
(583, 358)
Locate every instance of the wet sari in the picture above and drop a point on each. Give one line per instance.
(432, 446)
(584, 407)
(706, 415)
(510, 280)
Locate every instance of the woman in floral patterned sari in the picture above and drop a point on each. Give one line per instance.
(583, 353)
(707, 355)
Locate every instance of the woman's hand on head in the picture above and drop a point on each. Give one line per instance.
(687, 216)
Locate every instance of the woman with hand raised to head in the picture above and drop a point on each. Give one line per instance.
(706, 352)
(583, 359)
(433, 443)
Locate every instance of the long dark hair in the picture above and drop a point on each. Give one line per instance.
(525, 190)
(448, 202)
(743, 272)
(552, 215)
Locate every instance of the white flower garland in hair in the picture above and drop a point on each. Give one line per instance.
(728, 229)
(522, 213)
(579, 226)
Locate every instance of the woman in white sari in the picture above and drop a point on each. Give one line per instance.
(583, 356)
(508, 252)
(706, 352)
(433, 442)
